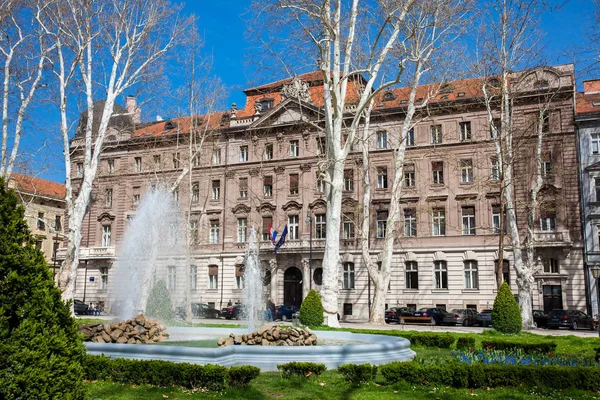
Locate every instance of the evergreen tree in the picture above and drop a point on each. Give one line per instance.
(506, 315)
(41, 353)
(159, 302)
(311, 310)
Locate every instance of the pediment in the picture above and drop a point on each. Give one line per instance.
(349, 202)
(292, 205)
(593, 167)
(288, 112)
(318, 204)
(266, 207)
(106, 217)
(241, 209)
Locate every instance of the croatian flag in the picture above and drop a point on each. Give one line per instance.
(272, 234)
(281, 239)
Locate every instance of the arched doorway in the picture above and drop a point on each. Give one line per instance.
(292, 287)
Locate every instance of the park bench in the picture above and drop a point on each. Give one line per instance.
(417, 321)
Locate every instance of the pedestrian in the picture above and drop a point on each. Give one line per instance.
(229, 303)
(91, 309)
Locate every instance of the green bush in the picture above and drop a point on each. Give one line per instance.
(529, 348)
(240, 377)
(358, 374)
(311, 310)
(492, 375)
(159, 302)
(155, 372)
(430, 339)
(41, 353)
(297, 369)
(506, 315)
(465, 342)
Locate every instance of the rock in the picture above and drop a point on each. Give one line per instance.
(261, 331)
(116, 334)
(265, 342)
(131, 341)
(289, 342)
(276, 334)
(140, 320)
(153, 331)
(294, 333)
(106, 337)
(221, 342)
(250, 342)
(307, 342)
(237, 340)
(122, 340)
(229, 341)
(283, 335)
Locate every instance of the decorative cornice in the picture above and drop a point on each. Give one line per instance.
(254, 171)
(266, 207)
(413, 199)
(279, 169)
(241, 209)
(230, 174)
(106, 216)
(466, 196)
(318, 203)
(305, 167)
(292, 205)
(438, 198)
(349, 202)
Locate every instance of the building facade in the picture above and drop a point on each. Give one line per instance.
(259, 167)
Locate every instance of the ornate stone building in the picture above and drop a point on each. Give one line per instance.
(260, 166)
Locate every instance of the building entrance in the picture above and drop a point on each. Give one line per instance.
(552, 298)
(292, 287)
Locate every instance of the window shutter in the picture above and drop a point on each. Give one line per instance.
(213, 270)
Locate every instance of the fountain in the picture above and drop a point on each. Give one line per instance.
(253, 296)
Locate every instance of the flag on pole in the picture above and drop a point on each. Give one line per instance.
(281, 239)
(272, 234)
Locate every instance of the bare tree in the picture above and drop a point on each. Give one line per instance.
(120, 40)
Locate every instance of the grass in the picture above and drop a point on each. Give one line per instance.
(331, 385)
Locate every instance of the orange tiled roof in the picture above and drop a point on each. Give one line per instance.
(37, 186)
(182, 125)
(585, 103)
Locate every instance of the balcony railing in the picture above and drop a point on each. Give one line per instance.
(555, 238)
(89, 253)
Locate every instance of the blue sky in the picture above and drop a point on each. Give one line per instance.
(223, 27)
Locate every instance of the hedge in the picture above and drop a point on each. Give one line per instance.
(296, 369)
(240, 377)
(465, 342)
(528, 348)
(474, 376)
(357, 374)
(429, 339)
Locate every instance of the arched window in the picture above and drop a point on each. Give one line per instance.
(318, 276)
(471, 275)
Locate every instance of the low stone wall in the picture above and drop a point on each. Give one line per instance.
(273, 336)
(133, 331)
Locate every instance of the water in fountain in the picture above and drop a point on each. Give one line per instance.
(253, 296)
(155, 237)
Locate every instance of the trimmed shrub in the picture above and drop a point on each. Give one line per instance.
(506, 315)
(528, 348)
(41, 353)
(465, 342)
(492, 375)
(297, 369)
(429, 339)
(240, 377)
(311, 310)
(155, 372)
(159, 302)
(358, 374)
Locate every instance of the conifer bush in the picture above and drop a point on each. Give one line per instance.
(506, 314)
(159, 302)
(41, 352)
(311, 310)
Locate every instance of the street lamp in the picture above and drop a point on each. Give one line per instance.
(309, 220)
(596, 274)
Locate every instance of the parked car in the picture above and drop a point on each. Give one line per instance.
(200, 310)
(232, 312)
(393, 314)
(484, 318)
(438, 314)
(461, 316)
(285, 312)
(573, 319)
(80, 307)
(540, 318)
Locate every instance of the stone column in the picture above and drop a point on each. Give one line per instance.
(274, 281)
(306, 277)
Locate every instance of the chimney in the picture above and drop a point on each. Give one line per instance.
(592, 86)
(133, 109)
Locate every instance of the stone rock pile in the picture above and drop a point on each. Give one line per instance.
(273, 336)
(133, 331)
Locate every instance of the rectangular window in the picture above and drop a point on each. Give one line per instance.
(214, 231)
(412, 275)
(216, 190)
(545, 121)
(466, 171)
(382, 140)
(195, 192)
(495, 128)
(103, 278)
(548, 222)
(136, 195)
(294, 148)
(109, 198)
(196, 160)
(440, 270)
(294, 184)
(320, 183)
(57, 223)
(382, 181)
(471, 275)
(551, 266)
(348, 180)
(243, 188)
(176, 160)
(409, 175)
(111, 166)
(79, 170)
(269, 151)
(138, 164)
(468, 220)
(436, 134)
(410, 137)
(38, 244)
(496, 219)
(106, 235)
(465, 131)
(213, 277)
(348, 228)
(495, 171)
(410, 222)
(293, 229)
(595, 144)
(193, 231)
(239, 276)
(242, 224)
(348, 276)
(321, 143)
(41, 222)
(382, 217)
(243, 153)
(193, 277)
(320, 226)
(547, 166)
(216, 158)
(156, 159)
(439, 222)
(437, 168)
(347, 308)
(266, 223)
(268, 186)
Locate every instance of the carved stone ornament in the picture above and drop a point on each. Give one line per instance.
(296, 89)
(273, 264)
(241, 209)
(292, 205)
(229, 174)
(279, 170)
(254, 171)
(106, 217)
(266, 208)
(280, 137)
(305, 167)
(255, 140)
(257, 108)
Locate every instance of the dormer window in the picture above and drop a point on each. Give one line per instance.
(446, 88)
(265, 104)
(542, 84)
(170, 125)
(389, 96)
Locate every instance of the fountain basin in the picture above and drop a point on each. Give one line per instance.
(376, 350)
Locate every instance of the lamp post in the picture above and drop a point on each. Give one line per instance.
(596, 274)
(309, 220)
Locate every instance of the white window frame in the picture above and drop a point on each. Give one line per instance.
(596, 181)
(436, 134)
(468, 221)
(551, 266)
(216, 190)
(293, 227)
(381, 224)
(320, 226)
(465, 130)
(496, 219)
(410, 222)
(382, 178)
(138, 164)
(495, 171)
(216, 158)
(103, 278)
(268, 151)
(294, 148)
(195, 192)
(438, 225)
(548, 224)
(79, 170)
(213, 280)
(244, 153)
(410, 137)
(440, 270)
(348, 229)
(109, 198)
(106, 235)
(111, 165)
(242, 228)
(411, 270)
(410, 178)
(214, 232)
(437, 174)
(471, 274)
(348, 276)
(382, 142)
(239, 282)
(348, 182)
(466, 171)
(171, 277)
(595, 143)
(193, 231)
(268, 188)
(193, 277)
(243, 191)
